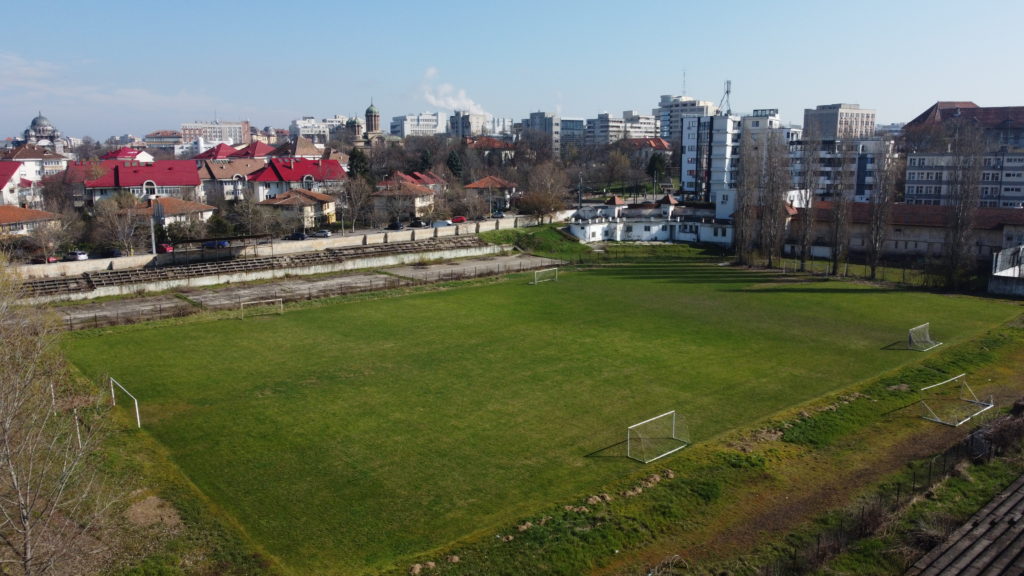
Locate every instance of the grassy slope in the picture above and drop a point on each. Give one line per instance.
(348, 437)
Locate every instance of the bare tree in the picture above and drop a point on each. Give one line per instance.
(841, 193)
(50, 236)
(807, 183)
(748, 175)
(966, 146)
(775, 181)
(547, 192)
(120, 221)
(360, 197)
(50, 497)
(888, 168)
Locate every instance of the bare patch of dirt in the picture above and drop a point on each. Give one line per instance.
(153, 511)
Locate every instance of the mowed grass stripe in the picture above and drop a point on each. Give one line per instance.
(350, 437)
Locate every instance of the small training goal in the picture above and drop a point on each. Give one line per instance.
(113, 399)
(657, 437)
(952, 402)
(545, 275)
(261, 307)
(919, 338)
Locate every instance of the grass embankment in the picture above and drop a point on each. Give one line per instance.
(353, 438)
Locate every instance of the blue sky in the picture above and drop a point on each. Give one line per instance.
(117, 67)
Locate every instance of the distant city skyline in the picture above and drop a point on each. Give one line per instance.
(135, 68)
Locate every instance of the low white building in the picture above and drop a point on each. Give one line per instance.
(423, 124)
(664, 221)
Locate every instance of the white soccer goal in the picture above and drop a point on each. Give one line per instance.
(919, 338)
(952, 402)
(545, 275)
(261, 307)
(113, 399)
(657, 437)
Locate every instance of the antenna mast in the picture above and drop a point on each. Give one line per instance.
(725, 104)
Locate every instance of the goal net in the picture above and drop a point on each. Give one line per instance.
(952, 402)
(261, 307)
(656, 437)
(919, 338)
(545, 275)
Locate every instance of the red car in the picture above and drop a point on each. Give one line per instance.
(164, 248)
(459, 220)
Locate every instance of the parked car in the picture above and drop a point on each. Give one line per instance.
(164, 248)
(498, 214)
(76, 255)
(417, 223)
(296, 236)
(322, 234)
(459, 220)
(216, 244)
(44, 259)
(441, 223)
(396, 225)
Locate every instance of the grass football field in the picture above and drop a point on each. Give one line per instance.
(347, 438)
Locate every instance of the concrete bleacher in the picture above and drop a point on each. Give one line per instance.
(90, 281)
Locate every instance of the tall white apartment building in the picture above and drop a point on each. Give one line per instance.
(318, 131)
(640, 125)
(672, 109)
(423, 124)
(463, 124)
(233, 132)
(840, 122)
(604, 130)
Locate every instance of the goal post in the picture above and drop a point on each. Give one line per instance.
(919, 338)
(113, 399)
(261, 307)
(952, 402)
(545, 275)
(657, 437)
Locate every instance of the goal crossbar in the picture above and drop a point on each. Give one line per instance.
(919, 338)
(671, 439)
(545, 275)
(272, 305)
(113, 399)
(968, 404)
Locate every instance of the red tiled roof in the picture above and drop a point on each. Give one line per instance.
(117, 174)
(295, 169)
(14, 214)
(256, 149)
(668, 199)
(402, 189)
(298, 197)
(489, 143)
(7, 171)
(302, 146)
(988, 117)
(218, 152)
(615, 201)
(124, 153)
(29, 152)
(24, 183)
(489, 182)
(653, 143)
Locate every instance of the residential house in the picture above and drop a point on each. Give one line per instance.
(494, 151)
(299, 147)
(283, 174)
(128, 154)
(255, 149)
(38, 162)
(642, 149)
(497, 192)
(307, 209)
(167, 210)
(221, 151)
(178, 178)
(227, 180)
(402, 200)
(10, 183)
(22, 221)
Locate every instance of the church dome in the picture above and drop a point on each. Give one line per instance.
(372, 110)
(40, 122)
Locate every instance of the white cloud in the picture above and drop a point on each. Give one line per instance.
(446, 96)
